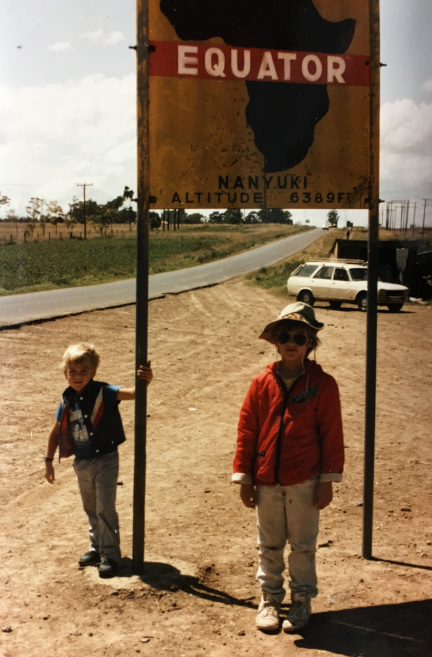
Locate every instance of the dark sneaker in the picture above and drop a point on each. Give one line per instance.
(107, 568)
(90, 558)
(298, 616)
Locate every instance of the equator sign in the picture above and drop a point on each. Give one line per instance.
(243, 90)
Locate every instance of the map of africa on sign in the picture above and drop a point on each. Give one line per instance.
(259, 104)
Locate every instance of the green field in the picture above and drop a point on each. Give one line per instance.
(66, 263)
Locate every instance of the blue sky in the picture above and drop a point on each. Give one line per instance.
(67, 100)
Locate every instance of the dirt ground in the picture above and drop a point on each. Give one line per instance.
(197, 595)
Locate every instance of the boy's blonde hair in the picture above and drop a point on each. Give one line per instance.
(82, 352)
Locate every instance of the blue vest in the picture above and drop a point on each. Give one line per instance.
(105, 434)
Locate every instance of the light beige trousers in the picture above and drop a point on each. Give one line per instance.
(286, 516)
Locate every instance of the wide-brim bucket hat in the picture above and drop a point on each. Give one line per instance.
(295, 312)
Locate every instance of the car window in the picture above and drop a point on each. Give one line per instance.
(324, 272)
(340, 275)
(358, 274)
(306, 270)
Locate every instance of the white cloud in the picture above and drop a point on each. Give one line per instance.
(60, 46)
(406, 149)
(427, 86)
(94, 37)
(103, 38)
(113, 38)
(56, 136)
(406, 125)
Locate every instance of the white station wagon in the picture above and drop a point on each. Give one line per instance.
(341, 282)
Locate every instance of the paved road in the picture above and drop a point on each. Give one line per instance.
(24, 308)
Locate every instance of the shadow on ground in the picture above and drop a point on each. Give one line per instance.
(166, 577)
(399, 630)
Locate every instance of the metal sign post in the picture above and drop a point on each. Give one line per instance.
(141, 286)
(371, 344)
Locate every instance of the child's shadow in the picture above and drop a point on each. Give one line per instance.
(399, 630)
(165, 577)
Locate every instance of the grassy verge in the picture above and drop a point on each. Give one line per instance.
(275, 278)
(66, 263)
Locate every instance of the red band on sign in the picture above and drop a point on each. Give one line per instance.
(211, 62)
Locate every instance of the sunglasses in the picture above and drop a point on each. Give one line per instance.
(299, 338)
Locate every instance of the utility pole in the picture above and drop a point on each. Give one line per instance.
(84, 185)
(404, 210)
(413, 221)
(426, 201)
(388, 215)
(406, 217)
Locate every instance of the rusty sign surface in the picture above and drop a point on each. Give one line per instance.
(259, 104)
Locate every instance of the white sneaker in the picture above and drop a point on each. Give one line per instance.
(268, 614)
(298, 616)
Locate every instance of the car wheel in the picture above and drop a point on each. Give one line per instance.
(395, 307)
(306, 297)
(335, 305)
(362, 301)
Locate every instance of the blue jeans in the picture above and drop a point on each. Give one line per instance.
(286, 514)
(97, 482)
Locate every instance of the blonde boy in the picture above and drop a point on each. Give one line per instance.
(88, 425)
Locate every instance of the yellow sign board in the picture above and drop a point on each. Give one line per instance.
(259, 104)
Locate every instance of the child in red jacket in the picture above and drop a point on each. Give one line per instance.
(289, 451)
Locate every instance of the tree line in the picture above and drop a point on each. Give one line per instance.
(41, 211)
(232, 216)
(122, 210)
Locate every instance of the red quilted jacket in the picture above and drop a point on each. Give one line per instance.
(290, 437)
